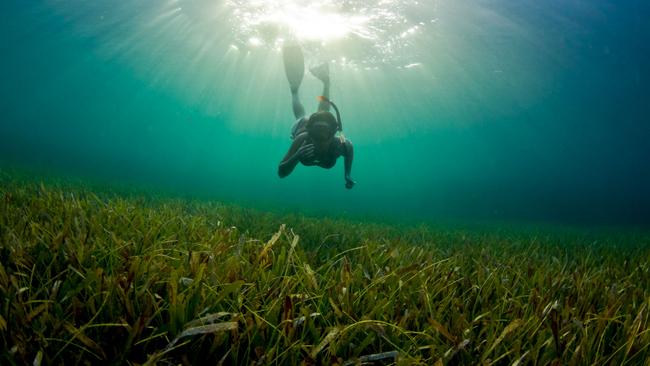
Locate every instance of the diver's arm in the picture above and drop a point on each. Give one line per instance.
(297, 150)
(347, 158)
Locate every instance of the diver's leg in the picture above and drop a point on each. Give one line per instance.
(298, 109)
(323, 105)
(322, 72)
(294, 69)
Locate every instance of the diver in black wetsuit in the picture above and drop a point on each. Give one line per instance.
(314, 138)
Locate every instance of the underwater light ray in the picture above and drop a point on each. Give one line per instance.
(202, 51)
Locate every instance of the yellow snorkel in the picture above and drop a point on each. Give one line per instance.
(322, 98)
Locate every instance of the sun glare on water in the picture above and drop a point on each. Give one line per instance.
(303, 20)
(379, 27)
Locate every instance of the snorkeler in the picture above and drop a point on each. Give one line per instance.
(315, 140)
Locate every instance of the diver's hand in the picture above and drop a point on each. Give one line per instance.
(349, 183)
(306, 151)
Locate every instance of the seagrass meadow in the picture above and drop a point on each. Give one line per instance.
(484, 200)
(91, 276)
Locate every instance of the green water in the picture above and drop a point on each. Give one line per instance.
(462, 110)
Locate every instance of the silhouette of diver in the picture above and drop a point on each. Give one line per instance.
(315, 140)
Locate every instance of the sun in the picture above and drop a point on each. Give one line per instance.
(304, 20)
(312, 24)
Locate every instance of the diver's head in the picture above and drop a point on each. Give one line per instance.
(322, 126)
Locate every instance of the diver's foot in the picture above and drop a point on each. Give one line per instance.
(321, 72)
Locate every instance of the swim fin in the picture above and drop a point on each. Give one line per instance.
(294, 65)
(321, 72)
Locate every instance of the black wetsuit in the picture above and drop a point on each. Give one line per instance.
(324, 159)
